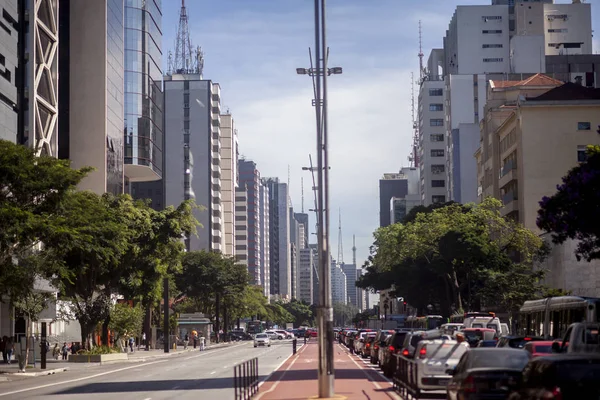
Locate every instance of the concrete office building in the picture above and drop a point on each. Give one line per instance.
(351, 289)
(92, 98)
(400, 206)
(299, 241)
(9, 55)
(279, 230)
(241, 225)
(316, 279)
(250, 178)
(339, 294)
(362, 295)
(192, 153)
(229, 181)
(306, 268)
(265, 242)
(390, 185)
(533, 144)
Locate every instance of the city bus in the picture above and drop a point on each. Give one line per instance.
(550, 317)
(426, 323)
(254, 327)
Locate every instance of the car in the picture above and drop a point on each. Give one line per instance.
(262, 339)
(275, 335)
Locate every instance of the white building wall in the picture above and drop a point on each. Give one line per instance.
(431, 142)
(338, 284)
(285, 260)
(228, 183)
(527, 54)
(241, 225)
(568, 23)
(305, 275)
(265, 260)
(477, 40)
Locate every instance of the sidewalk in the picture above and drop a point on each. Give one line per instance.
(55, 366)
(296, 378)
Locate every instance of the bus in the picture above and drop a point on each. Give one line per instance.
(461, 318)
(550, 317)
(426, 323)
(254, 327)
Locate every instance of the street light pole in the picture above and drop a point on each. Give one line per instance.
(325, 309)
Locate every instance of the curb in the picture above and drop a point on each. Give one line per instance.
(41, 373)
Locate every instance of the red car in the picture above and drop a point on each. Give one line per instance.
(539, 348)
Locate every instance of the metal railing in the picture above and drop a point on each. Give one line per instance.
(405, 377)
(245, 379)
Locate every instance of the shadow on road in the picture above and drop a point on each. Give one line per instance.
(311, 375)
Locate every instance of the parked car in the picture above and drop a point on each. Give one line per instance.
(517, 342)
(539, 348)
(262, 339)
(487, 373)
(562, 376)
(275, 335)
(434, 358)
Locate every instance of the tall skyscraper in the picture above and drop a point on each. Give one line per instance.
(143, 124)
(265, 243)
(229, 181)
(391, 185)
(241, 225)
(279, 223)
(91, 99)
(339, 293)
(9, 53)
(250, 177)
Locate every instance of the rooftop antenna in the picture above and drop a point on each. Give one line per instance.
(302, 192)
(413, 158)
(354, 250)
(186, 61)
(340, 257)
(421, 55)
(288, 185)
(170, 63)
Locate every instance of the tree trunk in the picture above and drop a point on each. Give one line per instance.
(456, 286)
(27, 347)
(85, 335)
(148, 323)
(217, 315)
(225, 319)
(104, 337)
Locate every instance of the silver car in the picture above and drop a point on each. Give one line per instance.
(262, 339)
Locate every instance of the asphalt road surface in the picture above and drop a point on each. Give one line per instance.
(206, 375)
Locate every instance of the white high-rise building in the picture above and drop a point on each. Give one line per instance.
(241, 225)
(265, 243)
(339, 293)
(279, 230)
(229, 181)
(192, 153)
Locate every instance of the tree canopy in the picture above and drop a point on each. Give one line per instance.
(572, 212)
(449, 256)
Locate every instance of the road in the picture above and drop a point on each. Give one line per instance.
(207, 375)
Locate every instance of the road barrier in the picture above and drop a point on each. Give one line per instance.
(245, 379)
(294, 345)
(405, 378)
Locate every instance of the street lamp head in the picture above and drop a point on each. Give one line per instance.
(306, 169)
(301, 71)
(335, 70)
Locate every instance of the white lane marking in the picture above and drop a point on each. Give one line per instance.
(175, 387)
(302, 348)
(203, 353)
(148, 398)
(80, 379)
(225, 367)
(214, 372)
(377, 385)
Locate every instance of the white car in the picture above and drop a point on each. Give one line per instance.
(288, 335)
(262, 339)
(275, 335)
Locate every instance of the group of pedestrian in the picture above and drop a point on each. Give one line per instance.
(7, 346)
(66, 348)
(195, 340)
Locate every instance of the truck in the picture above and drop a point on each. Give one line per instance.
(580, 337)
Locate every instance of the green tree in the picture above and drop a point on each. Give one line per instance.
(90, 240)
(125, 321)
(33, 190)
(300, 311)
(572, 212)
(443, 256)
(30, 305)
(278, 314)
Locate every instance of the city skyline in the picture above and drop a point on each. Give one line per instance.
(253, 51)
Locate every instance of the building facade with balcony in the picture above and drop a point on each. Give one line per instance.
(265, 243)
(241, 225)
(192, 153)
(229, 181)
(306, 267)
(250, 178)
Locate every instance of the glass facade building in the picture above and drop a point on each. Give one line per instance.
(143, 95)
(114, 96)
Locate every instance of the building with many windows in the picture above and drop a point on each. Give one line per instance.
(265, 243)
(9, 54)
(250, 178)
(241, 225)
(229, 181)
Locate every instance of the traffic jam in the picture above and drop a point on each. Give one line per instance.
(475, 356)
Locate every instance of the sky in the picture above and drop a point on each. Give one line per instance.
(252, 49)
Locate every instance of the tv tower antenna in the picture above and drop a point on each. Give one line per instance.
(288, 185)
(421, 55)
(340, 257)
(187, 60)
(354, 250)
(302, 192)
(413, 158)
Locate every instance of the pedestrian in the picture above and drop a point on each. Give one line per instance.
(10, 349)
(55, 352)
(202, 343)
(3, 348)
(186, 341)
(65, 351)
(195, 338)
(144, 340)
(131, 343)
